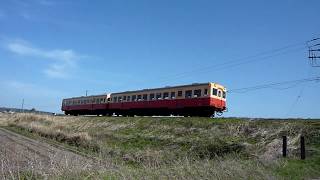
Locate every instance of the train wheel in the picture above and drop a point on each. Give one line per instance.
(219, 113)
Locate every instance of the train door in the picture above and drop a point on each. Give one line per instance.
(220, 98)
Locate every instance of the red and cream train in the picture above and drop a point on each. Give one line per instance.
(199, 99)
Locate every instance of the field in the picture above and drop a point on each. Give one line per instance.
(170, 148)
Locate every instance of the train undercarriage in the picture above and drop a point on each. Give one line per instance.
(192, 112)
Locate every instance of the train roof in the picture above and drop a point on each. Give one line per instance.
(152, 89)
(92, 96)
(167, 87)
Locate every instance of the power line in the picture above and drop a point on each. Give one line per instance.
(263, 86)
(300, 94)
(240, 61)
(295, 102)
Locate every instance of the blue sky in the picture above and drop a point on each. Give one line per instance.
(55, 49)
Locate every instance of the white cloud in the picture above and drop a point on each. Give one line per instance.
(62, 60)
(57, 71)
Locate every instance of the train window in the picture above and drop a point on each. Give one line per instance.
(114, 99)
(158, 96)
(205, 92)
(151, 96)
(214, 92)
(124, 98)
(224, 94)
(173, 95)
(166, 95)
(134, 97)
(145, 97)
(128, 98)
(219, 93)
(197, 93)
(139, 98)
(188, 94)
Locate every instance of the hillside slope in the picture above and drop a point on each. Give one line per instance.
(189, 148)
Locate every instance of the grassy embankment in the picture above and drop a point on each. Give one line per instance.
(189, 148)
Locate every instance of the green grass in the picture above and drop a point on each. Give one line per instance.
(183, 147)
(299, 169)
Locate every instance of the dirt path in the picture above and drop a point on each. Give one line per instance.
(19, 153)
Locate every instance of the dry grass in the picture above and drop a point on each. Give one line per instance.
(179, 148)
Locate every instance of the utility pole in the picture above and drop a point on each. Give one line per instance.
(22, 105)
(314, 52)
(86, 92)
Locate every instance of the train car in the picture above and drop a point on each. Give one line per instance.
(200, 99)
(86, 105)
